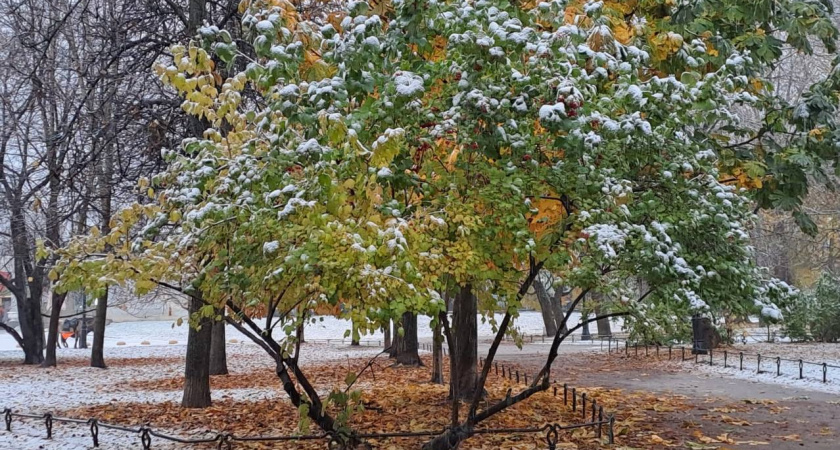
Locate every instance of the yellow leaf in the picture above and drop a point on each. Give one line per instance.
(453, 157)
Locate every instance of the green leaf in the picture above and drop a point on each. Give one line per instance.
(350, 378)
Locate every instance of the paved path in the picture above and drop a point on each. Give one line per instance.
(774, 411)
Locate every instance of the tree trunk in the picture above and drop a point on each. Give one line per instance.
(465, 335)
(557, 305)
(437, 355)
(27, 294)
(354, 335)
(396, 341)
(52, 333)
(84, 326)
(596, 300)
(299, 334)
(386, 331)
(197, 368)
(218, 352)
(546, 308)
(32, 331)
(407, 354)
(97, 353)
(106, 178)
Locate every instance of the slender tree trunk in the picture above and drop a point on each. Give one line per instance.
(557, 305)
(97, 353)
(106, 180)
(84, 326)
(299, 334)
(465, 334)
(386, 331)
(407, 351)
(546, 308)
(218, 352)
(197, 368)
(396, 341)
(437, 354)
(354, 335)
(52, 330)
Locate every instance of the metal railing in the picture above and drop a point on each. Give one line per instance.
(731, 359)
(573, 338)
(225, 441)
(597, 418)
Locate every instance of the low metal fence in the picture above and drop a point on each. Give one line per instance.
(755, 362)
(573, 398)
(593, 417)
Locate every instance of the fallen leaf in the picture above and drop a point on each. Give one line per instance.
(789, 437)
(733, 421)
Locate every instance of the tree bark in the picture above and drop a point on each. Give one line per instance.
(218, 352)
(84, 327)
(407, 354)
(396, 341)
(52, 333)
(106, 178)
(354, 335)
(437, 355)
(546, 308)
(602, 324)
(557, 305)
(299, 334)
(386, 331)
(27, 294)
(465, 335)
(197, 368)
(97, 353)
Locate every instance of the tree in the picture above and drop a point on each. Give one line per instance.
(814, 315)
(218, 353)
(197, 367)
(463, 374)
(407, 346)
(551, 305)
(385, 164)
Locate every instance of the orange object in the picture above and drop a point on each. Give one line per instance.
(66, 334)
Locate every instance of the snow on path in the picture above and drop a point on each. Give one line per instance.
(786, 373)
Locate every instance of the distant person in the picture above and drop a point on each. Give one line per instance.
(2, 314)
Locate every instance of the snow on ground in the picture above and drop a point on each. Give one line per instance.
(34, 390)
(31, 434)
(787, 372)
(37, 390)
(163, 333)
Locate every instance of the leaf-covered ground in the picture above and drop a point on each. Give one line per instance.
(397, 399)
(658, 404)
(713, 412)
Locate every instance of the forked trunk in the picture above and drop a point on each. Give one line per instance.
(546, 308)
